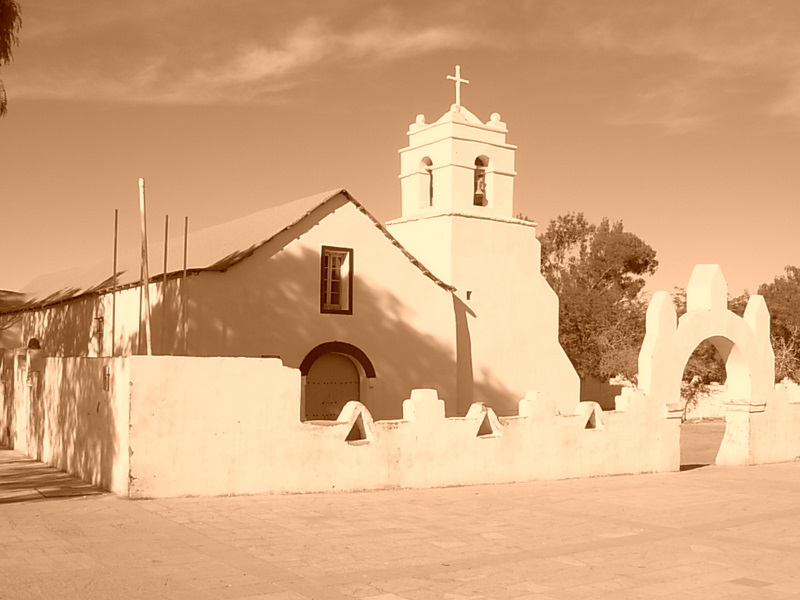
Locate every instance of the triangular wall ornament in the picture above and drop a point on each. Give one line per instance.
(360, 429)
(358, 432)
(485, 427)
(488, 423)
(591, 414)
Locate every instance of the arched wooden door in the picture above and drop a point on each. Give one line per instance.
(331, 382)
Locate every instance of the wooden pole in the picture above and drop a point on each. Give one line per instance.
(114, 287)
(145, 268)
(164, 288)
(185, 243)
(166, 245)
(185, 290)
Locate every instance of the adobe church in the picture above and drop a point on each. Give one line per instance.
(309, 347)
(448, 296)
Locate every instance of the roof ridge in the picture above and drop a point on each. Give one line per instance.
(223, 245)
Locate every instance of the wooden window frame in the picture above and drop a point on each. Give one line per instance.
(325, 291)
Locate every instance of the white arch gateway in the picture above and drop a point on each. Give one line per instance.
(761, 421)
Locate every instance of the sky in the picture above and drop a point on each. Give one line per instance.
(679, 118)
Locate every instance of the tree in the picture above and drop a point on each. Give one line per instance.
(783, 300)
(10, 22)
(598, 271)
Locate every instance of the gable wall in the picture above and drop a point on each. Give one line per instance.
(268, 305)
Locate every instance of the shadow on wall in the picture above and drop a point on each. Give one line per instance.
(604, 393)
(85, 434)
(70, 419)
(7, 398)
(66, 329)
(269, 305)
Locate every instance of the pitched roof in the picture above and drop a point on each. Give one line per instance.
(214, 248)
(9, 299)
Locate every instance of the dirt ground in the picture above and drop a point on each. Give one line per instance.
(700, 442)
(708, 533)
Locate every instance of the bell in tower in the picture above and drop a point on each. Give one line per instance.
(480, 182)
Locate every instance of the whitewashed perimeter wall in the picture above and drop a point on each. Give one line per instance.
(205, 426)
(171, 426)
(69, 412)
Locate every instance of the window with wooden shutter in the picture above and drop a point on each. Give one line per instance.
(336, 280)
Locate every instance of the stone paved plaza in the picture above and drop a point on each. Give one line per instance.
(703, 533)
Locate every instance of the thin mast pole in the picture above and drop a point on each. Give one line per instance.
(114, 287)
(184, 289)
(145, 267)
(185, 243)
(164, 287)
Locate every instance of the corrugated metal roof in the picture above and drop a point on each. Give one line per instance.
(214, 248)
(9, 299)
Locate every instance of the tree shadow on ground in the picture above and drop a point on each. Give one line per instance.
(23, 479)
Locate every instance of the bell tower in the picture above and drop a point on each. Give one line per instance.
(457, 164)
(457, 184)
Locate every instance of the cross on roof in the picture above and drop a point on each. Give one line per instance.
(458, 81)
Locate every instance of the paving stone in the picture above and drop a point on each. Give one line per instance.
(706, 533)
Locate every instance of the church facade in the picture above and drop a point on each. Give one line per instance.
(448, 296)
(309, 347)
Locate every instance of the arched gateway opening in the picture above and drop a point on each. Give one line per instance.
(333, 373)
(703, 396)
(742, 342)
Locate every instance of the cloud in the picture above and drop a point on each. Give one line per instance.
(249, 71)
(182, 57)
(385, 42)
(677, 106)
(704, 58)
(788, 104)
(679, 65)
(256, 69)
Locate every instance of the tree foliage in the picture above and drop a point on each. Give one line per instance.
(10, 22)
(597, 271)
(783, 301)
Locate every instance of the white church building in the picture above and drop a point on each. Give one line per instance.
(448, 296)
(309, 347)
